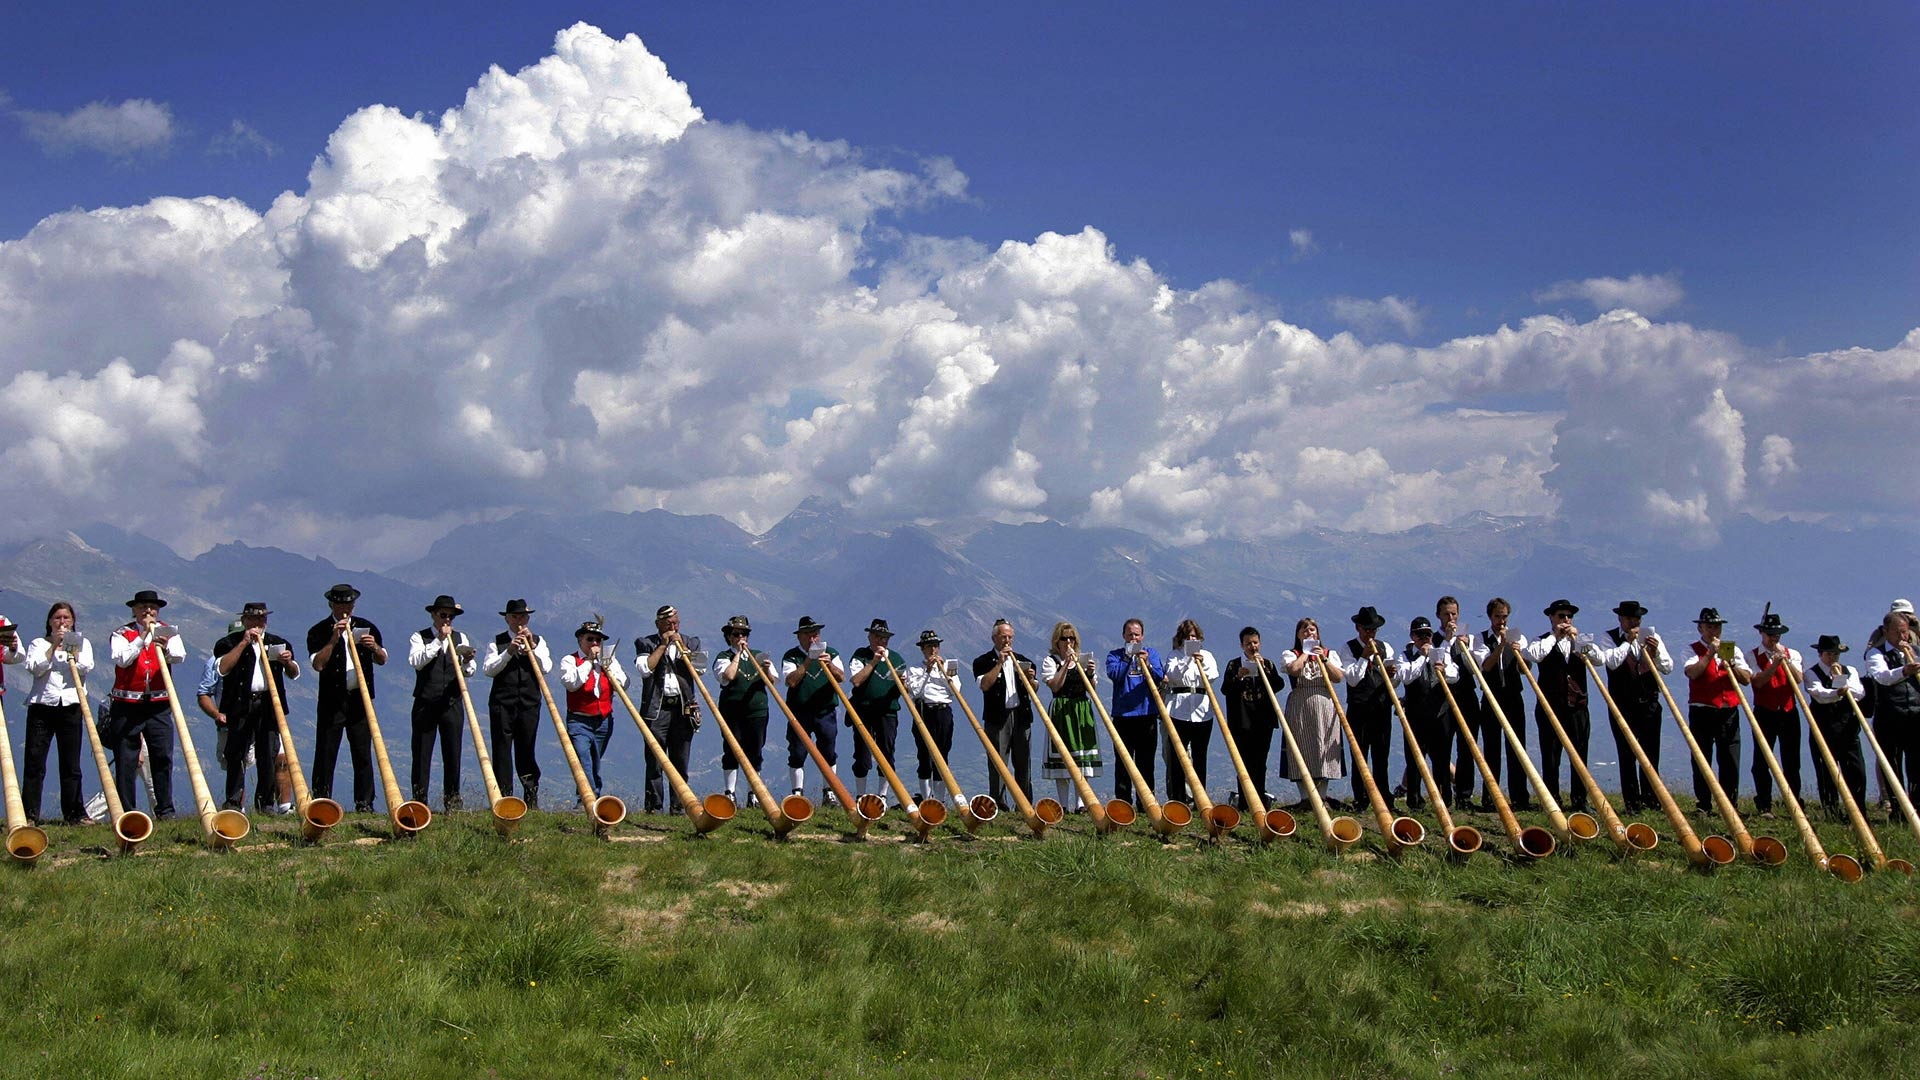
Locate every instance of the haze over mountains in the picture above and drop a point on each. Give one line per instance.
(957, 578)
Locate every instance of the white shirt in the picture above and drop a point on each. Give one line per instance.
(788, 667)
(1739, 662)
(1051, 665)
(498, 657)
(1794, 663)
(1621, 653)
(125, 652)
(1846, 681)
(1427, 667)
(1192, 673)
(1311, 673)
(669, 682)
(929, 687)
(574, 671)
(425, 646)
(1538, 649)
(1883, 668)
(52, 681)
(1009, 682)
(1362, 666)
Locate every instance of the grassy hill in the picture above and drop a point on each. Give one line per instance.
(661, 954)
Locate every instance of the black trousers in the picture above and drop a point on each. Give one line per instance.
(1435, 737)
(1842, 733)
(1578, 724)
(1466, 774)
(1782, 730)
(250, 724)
(1644, 721)
(512, 735)
(1012, 736)
(672, 726)
(1493, 743)
(1896, 731)
(1256, 746)
(1137, 735)
(152, 721)
(1718, 733)
(939, 721)
(1194, 738)
(47, 724)
(437, 721)
(885, 729)
(819, 726)
(345, 717)
(750, 732)
(1373, 743)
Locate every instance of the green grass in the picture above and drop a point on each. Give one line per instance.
(666, 955)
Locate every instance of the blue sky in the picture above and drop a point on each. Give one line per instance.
(1462, 159)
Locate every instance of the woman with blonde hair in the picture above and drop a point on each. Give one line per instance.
(1071, 712)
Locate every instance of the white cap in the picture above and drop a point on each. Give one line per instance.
(1904, 607)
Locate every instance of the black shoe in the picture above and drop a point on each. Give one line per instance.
(826, 797)
(531, 795)
(453, 804)
(363, 808)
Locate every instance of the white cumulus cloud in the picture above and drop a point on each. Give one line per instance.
(1649, 294)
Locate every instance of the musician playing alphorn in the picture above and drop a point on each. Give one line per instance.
(805, 669)
(1776, 710)
(513, 701)
(1892, 666)
(1634, 685)
(1423, 664)
(1502, 670)
(53, 713)
(1132, 709)
(140, 707)
(743, 701)
(1829, 684)
(438, 713)
(1188, 675)
(1713, 707)
(1072, 714)
(1481, 727)
(1563, 688)
(1250, 714)
(1007, 710)
(669, 704)
(340, 710)
(248, 709)
(1310, 710)
(587, 674)
(933, 695)
(877, 698)
(1369, 697)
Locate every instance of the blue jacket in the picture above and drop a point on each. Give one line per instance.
(1129, 686)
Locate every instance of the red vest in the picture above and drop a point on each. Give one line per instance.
(140, 680)
(595, 696)
(1715, 686)
(1770, 691)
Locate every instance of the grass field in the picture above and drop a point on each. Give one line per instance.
(661, 954)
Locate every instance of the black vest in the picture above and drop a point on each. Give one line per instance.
(333, 677)
(515, 687)
(1563, 681)
(1425, 702)
(1368, 692)
(1505, 679)
(1831, 714)
(650, 691)
(1902, 696)
(237, 685)
(994, 710)
(435, 681)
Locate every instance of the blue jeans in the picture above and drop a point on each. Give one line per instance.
(589, 735)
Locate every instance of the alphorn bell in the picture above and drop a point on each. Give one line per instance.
(1531, 842)
(1716, 850)
(863, 817)
(1041, 815)
(316, 815)
(1114, 815)
(1220, 819)
(1167, 818)
(1889, 776)
(408, 816)
(923, 816)
(708, 814)
(1268, 823)
(1765, 849)
(1462, 840)
(129, 826)
(1578, 825)
(1340, 832)
(1400, 832)
(507, 809)
(606, 810)
(222, 827)
(782, 814)
(25, 840)
(1861, 830)
(1845, 867)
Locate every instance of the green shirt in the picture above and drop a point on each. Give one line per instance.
(746, 695)
(879, 694)
(812, 696)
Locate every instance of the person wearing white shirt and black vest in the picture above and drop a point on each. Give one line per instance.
(513, 701)
(1481, 727)
(1894, 667)
(53, 713)
(1424, 663)
(1188, 676)
(1006, 710)
(1369, 697)
(248, 709)
(140, 707)
(669, 704)
(1563, 688)
(743, 699)
(805, 669)
(1829, 684)
(340, 710)
(933, 694)
(1635, 662)
(437, 709)
(1776, 710)
(1713, 706)
(1501, 668)
(588, 675)
(876, 698)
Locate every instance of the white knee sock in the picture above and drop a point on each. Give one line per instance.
(733, 779)
(799, 779)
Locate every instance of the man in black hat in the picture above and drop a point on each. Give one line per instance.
(1425, 663)
(1829, 684)
(1369, 696)
(1714, 677)
(743, 699)
(668, 701)
(337, 646)
(876, 698)
(1636, 660)
(1006, 710)
(1776, 709)
(248, 709)
(932, 690)
(1563, 688)
(513, 701)
(437, 708)
(588, 675)
(140, 706)
(805, 669)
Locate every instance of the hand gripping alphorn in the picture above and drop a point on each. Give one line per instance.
(1115, 814)
(1462, 840)
(1166, 819)
(606, 810)
(1400, 833)
(129, 826)
(316, 815)
(508, 810)
(1889, 776)
(782, 814)
(407, 815)
(1861, 830)
(1267, 823)
(1219, 819)
(1702, 855)
(1530, 842)
(707, 815)
(1628, 839)
(1578, 826)
(1771, 852)
(1845, 867)
(923, 816)
(863, 819)
(1340, 833)
(222, 827)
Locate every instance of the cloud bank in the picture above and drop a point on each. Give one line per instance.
(572, 291)
(117, 129)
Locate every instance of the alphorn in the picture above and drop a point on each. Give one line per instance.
(1889, 776)
(1167, 818)
(1114, 815)
(782, 814)
(1577, 826)
(1629, 839)
(1861, 830)
(222, 827)
(862, 818)
(1040, 815)
(1341, 832)
(1219, 819)
(708, 814)
(316, 815)
(130, 827)
(1462, 840)
(507, 809)
(1269, 823)
(408, 816)
(923, 816)
(981, 808)
(1400, 833)
(1530, 842)
(1845, 867)
(1715, 850)
(1764, 849)
(606, 810)
(25, 840)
